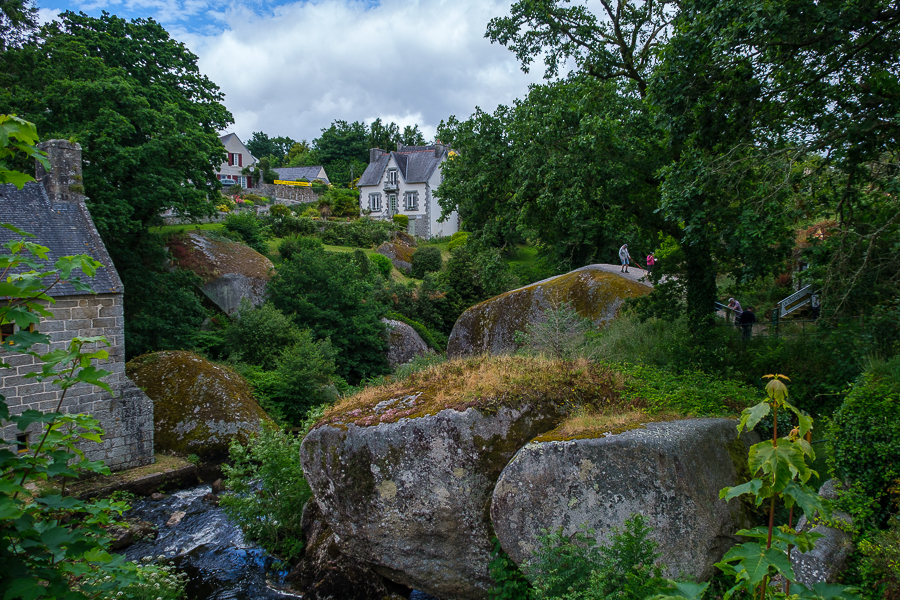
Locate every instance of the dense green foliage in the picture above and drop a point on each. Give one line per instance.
(329, 294)
(293, 244)
(268, 490)
(427, 259)
(250, 229)
(382, 264)
(509, 581)
(577, 568)
(362, 233)
(865, 441)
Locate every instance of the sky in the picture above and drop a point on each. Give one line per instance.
(291, 68)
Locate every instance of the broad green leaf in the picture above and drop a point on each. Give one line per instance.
(682, 590)
(780, 463)
(807, 499)
(751, 487)
(751, 416)
(755, 560)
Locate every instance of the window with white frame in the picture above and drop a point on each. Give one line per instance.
(375, 202)
(392, 176)
(411, 200)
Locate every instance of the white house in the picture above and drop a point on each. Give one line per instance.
(239, 158)
(403, 182)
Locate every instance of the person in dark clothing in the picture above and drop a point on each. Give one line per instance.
(746, 320)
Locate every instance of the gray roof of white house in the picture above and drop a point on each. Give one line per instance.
(298, 173)
(415, 163)
(65, 228)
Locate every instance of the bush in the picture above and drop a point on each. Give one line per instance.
(401, 221)
(383, 264)
(426, 259)
(362, 233)
(880, 565)
(305, 371)
(249, 228)
(865, 437)
(578, 569)
(267, 491)
(254, 198)
(290, 246)
(460, 238)
(280, 210)
(258, 336)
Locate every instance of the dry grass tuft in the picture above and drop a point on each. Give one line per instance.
(585, 423)
(487, 383)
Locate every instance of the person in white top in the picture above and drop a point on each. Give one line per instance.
(624, 257)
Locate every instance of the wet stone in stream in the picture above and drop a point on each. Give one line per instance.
(207, 546)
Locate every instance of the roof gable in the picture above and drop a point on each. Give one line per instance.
(65, 227)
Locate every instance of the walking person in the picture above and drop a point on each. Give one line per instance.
(651, 260)
(624, 257)
(746, 320)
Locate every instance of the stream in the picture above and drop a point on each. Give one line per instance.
(211, 550)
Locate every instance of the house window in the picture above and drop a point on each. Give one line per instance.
(235, 159)
(22, 443)
(375, 202)
(411, 201)
(392, 177)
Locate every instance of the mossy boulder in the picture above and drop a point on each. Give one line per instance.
(199, 406)
(594, 291)
(404, 343)
(230, 271)
(400, 252)
(669, 472)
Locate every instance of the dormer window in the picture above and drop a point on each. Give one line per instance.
(392, 176)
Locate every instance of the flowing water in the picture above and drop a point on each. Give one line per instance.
(211, 550)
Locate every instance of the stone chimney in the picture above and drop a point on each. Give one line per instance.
(375, 154)
(440, 149)
(63, 182)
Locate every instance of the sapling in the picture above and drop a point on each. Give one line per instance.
(780, 474)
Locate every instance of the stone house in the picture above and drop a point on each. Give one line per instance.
(298, 173)
(53, 209)
(239, 158)
(403, 182)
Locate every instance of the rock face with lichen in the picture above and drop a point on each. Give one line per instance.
(404, 343)
(831, 553)
(669, 472)
(491, 325)
(199, 407)
(411, 497)
(230, 271)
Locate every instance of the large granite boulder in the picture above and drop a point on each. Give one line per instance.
(324, 573)
(595, 292)
(669, 472)
(198, 406)
(406, 484)
(230, 271)
(404, 343)
(828, 558)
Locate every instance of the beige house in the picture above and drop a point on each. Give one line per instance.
(239, 158)
(403, 182)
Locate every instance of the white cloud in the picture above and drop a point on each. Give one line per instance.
(301, 66)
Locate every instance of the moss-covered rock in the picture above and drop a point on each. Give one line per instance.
(404, 343)
(199, 406)
(670, 472)
(399, 252)
(595, 293)
(230, 271)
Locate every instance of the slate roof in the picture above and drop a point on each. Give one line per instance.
(415, 163)
(298, 173)
(64, 227)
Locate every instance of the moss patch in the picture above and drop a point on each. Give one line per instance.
(486, 383)
(586, 424)
(199, 406)
(210, 258)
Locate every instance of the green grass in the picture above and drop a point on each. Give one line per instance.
(189, 227)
